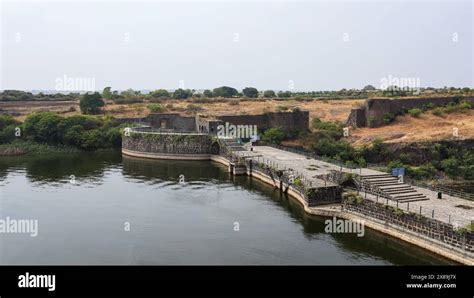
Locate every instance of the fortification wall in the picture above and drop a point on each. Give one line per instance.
(289, 121)
(168, 144)
(376, 108)
(172, 121)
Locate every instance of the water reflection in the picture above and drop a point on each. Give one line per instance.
(173, 223)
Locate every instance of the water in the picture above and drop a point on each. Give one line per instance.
(122, 210)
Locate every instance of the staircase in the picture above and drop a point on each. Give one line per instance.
(389, 187)
(232, 145)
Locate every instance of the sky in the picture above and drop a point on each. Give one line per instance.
(279, 45)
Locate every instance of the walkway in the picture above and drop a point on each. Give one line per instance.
(449, 209)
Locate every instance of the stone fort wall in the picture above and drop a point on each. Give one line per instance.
(168, 144)
(376, 108)
(289, 121)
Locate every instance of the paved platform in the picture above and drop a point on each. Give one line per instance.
(450, 209)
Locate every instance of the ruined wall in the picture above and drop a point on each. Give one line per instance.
(376, 108)
(168, 143)
(172, 121)
(357, 118)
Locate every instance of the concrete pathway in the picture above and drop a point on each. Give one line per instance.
(450, 209)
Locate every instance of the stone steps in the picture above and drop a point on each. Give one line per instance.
(389, 187)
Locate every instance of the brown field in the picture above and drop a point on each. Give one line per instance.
(404, 129)
(427, 127)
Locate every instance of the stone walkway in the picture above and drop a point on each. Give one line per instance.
(450, 209)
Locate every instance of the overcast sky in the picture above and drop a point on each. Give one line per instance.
(321, 45)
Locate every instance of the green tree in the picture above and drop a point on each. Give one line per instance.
(269, 93)
(284, 94)
(250, 92)
(274, 135)
(160, 93)
(225, 91)
(106, 93)
(181, 93)
(91, 103)
(208, 93)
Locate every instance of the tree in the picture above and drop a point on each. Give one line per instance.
(91, 103)
(225, 91)
(284, 94)
(207, 93)
(269, 93)
(106, 92)
(160, 93)
(181, 93)
(250, 92)
(274, 135)
(369, 88)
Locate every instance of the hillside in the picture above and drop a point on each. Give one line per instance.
(427, 127)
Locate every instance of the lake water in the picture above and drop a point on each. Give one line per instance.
(103, 208)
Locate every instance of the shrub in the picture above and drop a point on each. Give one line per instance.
(274, 135)
(269, 93)
(225, 91)
(193, 108)
(156, 108)
(182, 94)
(438, 111)
(250, 92)
(371, 121)
(415, 112)
(388, 118)
(160, 93)
(91, 103)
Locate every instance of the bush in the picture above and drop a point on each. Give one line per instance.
(388, 118)
(269, 93)
(91, 103)
(208, 93)
(415, 112)
(274, 135)
(156, 108)
(225, 91)
(284, 94)
(193, 108)
(160, 93)
(371, 121)
(438, 111)
(250, 92)
(182, 94)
